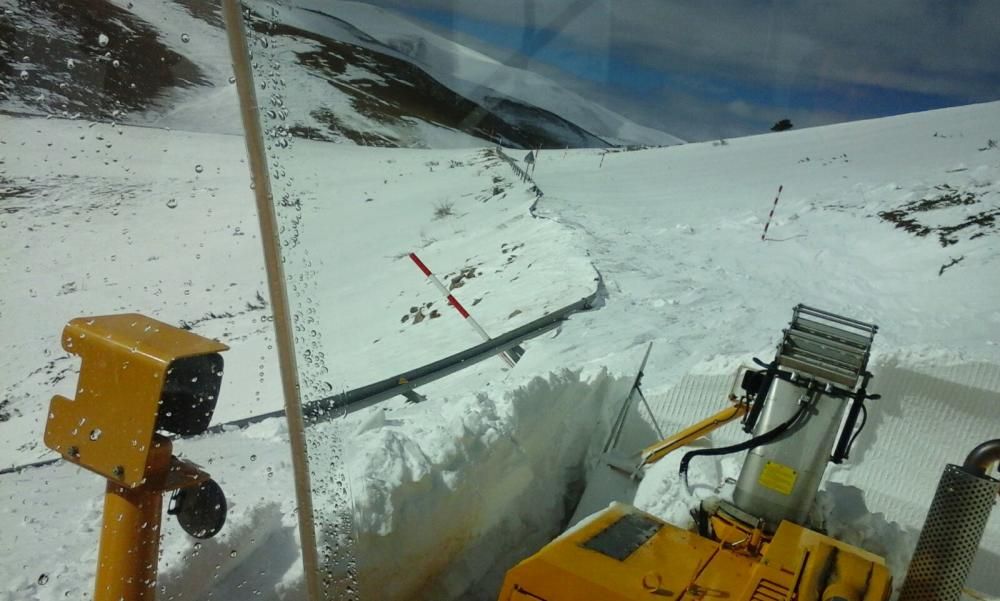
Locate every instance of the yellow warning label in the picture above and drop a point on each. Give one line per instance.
(778, 477)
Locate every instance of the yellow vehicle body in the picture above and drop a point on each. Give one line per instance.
(623, 554)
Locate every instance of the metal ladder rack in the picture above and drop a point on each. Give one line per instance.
(827, 346)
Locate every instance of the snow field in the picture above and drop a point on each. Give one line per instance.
(466, 217)
(258, 548)
(675, 234)
(484, 466)
(120, 219)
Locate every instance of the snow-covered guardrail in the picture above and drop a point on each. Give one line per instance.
(332, 406)
(521, 173)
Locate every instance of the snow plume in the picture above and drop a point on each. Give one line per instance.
(444, 506)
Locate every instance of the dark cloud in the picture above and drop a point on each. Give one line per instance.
(717, 67)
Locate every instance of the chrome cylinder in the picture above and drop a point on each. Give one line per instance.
(779, 480)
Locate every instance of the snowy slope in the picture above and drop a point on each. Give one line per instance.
(167, 64)
(182, 199)
(469, 73)
(449, 492)
(891, 221)
(98, 219)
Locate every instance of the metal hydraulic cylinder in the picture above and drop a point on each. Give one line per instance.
(779, 480)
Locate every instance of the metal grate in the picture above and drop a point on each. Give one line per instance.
(621, 539)
(950, 537)
(768, 590)
(827, 345)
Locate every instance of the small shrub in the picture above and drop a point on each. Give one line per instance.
(443, 209)
(783, 125)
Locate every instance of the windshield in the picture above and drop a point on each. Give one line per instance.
(466, 256)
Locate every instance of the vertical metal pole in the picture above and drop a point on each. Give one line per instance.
(130, 543)
(276, 287)
(130, 534)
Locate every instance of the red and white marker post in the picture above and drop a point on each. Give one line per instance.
(458, 306)
(771, 214)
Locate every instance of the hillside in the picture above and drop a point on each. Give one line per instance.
(167, 64)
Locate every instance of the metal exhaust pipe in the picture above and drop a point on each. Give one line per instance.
(953, 528)
(982, 457)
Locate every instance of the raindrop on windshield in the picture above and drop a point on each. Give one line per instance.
(185, 38)
(102, 40)
(172, 203)
(198, 168)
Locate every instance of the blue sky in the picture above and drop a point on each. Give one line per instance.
(703, 70)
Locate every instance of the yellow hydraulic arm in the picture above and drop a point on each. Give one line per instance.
(659, 450)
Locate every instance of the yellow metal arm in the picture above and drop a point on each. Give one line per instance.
(659, 450)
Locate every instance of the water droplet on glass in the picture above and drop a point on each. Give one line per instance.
(102, 40)
(185, 38)
(43, 579)
(172, 203)
(232, 553)
(24, 74)
(115, 63)
(198, 168)
(232, 79)
(70, 63)
(253, 458)
(95, 434)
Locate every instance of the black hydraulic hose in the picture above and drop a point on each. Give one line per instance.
(983, 456)
(750, 420)
(753, 443)
(864, 421)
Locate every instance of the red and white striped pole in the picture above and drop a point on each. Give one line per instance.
(771, 214)
(458, 306)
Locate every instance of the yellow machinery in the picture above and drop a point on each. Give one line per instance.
(755, 548)
(624, 554)
(139, 377)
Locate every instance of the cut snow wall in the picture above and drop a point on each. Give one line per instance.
(929, 416)
(449, 506)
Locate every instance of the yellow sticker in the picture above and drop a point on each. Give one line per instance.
(778, 477)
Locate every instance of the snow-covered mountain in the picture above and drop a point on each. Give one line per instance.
(352, 73)
(515, 96)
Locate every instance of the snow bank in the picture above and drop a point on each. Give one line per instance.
(447, 501)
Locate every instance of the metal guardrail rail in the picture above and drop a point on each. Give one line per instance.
(365, 396)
